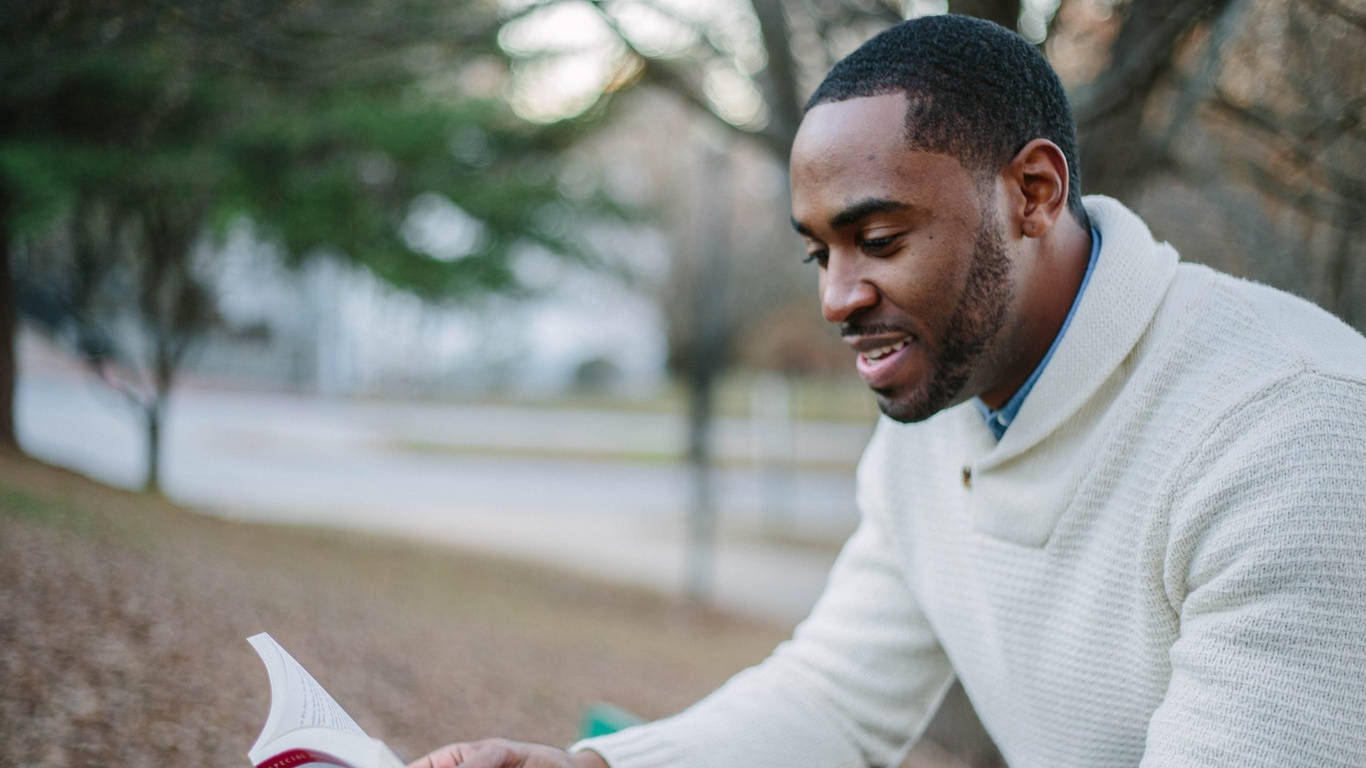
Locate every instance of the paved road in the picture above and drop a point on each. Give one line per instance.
(484, 477)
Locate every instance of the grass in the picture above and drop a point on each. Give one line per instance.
(605, 455)
(834, 398)
(122, 620)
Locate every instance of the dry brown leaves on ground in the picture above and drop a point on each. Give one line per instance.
(123, 618)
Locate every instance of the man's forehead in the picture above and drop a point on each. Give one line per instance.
(849, 152)
(868, 120)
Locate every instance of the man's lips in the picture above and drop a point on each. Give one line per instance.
(882, 356)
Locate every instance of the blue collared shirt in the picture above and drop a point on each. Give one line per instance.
(999, 419)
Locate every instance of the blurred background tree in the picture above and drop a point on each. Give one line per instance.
(133, 133)
(1236, 128)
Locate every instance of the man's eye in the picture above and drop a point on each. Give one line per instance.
(873, 245)
(818, 257)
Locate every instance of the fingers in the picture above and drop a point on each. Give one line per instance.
(490, 753)
(446, 757)
(449, 756)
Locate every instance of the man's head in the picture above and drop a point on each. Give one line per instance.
(927, 178)
(975, 91)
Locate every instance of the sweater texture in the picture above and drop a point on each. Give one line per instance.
(1161, 563)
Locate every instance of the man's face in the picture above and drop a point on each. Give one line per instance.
(911, 255)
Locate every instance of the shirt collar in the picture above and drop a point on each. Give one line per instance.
(999, 419)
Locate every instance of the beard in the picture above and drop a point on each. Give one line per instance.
(967, 337)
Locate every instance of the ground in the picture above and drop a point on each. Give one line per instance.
(123, 618)
(123, 621)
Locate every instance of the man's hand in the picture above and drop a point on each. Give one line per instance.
(501, 753)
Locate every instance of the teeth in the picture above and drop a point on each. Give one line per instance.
(878, 354)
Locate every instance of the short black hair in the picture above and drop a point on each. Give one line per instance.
(977, 91)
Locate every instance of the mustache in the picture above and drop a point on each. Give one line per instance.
(856, 328)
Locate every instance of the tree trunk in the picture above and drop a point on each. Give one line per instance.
(1003, 12)
(8, 325)
(701, 556)
(1349, 225)
(153, 415)
(780, 75)
(1117, 152)
(711, 325)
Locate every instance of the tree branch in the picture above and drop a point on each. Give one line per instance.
(1003, 12)
(781, 72)
(702, 34)
(668, 77)
(1348, 15)
(1198, 87)
(1299, 143)
(1136, 69)
(104, 371)
(661, 74)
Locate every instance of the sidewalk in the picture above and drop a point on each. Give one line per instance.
(553, 486)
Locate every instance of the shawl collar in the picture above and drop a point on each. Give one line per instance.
(1023, 484)
(1132, 275)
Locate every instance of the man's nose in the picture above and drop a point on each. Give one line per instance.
(845, 289)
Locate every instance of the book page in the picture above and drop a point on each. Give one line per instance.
(296, 699)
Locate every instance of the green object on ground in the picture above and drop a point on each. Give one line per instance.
(601, 719)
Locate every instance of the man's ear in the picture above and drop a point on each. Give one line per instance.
(1037, 177)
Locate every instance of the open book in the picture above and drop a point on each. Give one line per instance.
(306, 726)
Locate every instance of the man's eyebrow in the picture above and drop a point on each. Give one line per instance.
(865, 208)
(856, 213)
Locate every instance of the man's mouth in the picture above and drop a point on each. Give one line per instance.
(881, 352)
(881, 366)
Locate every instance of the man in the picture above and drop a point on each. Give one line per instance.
(1121, 499)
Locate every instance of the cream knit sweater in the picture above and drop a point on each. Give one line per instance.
(1162, 563)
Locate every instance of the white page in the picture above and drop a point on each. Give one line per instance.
(296, 699)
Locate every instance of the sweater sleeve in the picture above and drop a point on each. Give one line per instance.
(1266, 573)
(857, 681)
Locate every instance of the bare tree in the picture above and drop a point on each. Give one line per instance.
(122, 287)
(1236, 128)
(177, 117)
(710, 339)
(1117, 149)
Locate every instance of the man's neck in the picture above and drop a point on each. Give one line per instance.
(1047, 295)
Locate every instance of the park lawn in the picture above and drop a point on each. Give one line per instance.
(123, 618)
